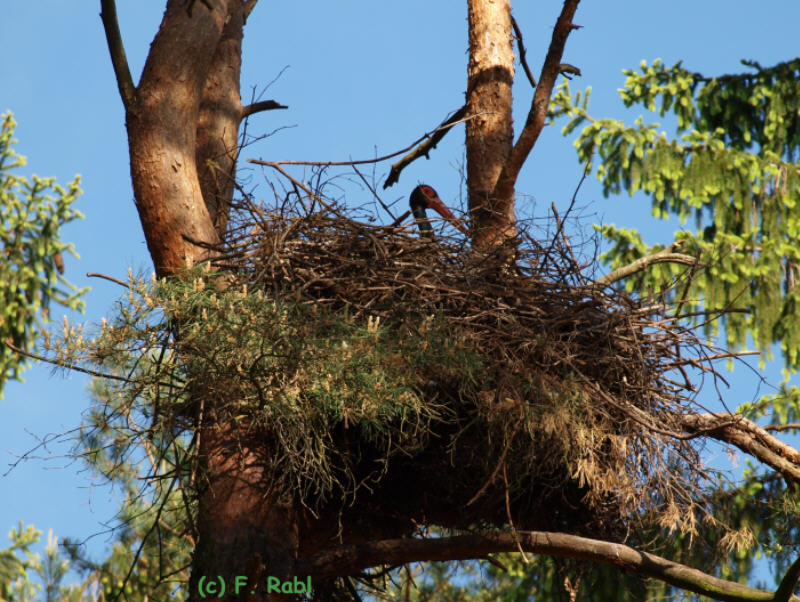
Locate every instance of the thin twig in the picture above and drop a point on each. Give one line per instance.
(110, 278)
(520, 44)
(360, 161)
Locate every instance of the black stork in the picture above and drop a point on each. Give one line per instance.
(424, 197)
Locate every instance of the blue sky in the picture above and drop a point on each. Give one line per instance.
(364, 77)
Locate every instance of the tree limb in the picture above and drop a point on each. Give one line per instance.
(263, 105)
(349, 559)
(127, 90)
(363, 161)
(523, 61)
(564, 68)
(667, 255)
(427, 146)
(748, 437)
(788, 583)
(504, 188)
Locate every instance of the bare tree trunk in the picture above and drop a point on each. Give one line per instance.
(183, 121)
(162, 136)
(489, 128)
(246, 530)
(219, 120)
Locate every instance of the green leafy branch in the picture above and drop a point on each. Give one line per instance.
(32, 211)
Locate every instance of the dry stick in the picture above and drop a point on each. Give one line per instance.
(523, 61)
(560, 223)
(510, 520)
(561, 232)
(426, 147)
(374, 192)
(504, 189)
(782, 427)
(400, 219)
(351, 558)
(667, 255)
(107, 277)
(360, 161)
(750, 438)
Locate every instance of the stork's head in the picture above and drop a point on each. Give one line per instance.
(425, 197)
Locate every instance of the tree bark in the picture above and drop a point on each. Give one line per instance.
(537, 113)
(218, 122)
(183, 121)
(489, 126)
(162, 135)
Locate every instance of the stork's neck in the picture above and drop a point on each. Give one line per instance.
(425, 228)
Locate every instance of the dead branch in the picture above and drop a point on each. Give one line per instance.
(349, 559)
(374, 192)
(264, 105)
(748, 437)
(425, 147)
(667, 255)
(565, 68)
(365, 161)
(504, 189)
(783, 427)
(127, 90)
(523, 61)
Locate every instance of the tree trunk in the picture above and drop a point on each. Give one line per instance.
(162, 135)
(489, 126)
(183, 122)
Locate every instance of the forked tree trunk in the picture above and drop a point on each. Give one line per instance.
(183, 121)
(489, 126)
(162, 122)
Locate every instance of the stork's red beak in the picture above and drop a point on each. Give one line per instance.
(437, 205)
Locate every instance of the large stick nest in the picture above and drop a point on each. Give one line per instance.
(429, 383)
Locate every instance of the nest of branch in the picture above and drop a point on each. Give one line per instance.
(411, 381)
